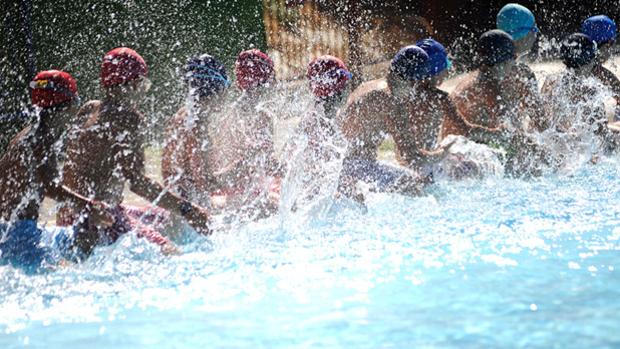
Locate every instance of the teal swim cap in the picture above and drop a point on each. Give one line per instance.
(516, 20)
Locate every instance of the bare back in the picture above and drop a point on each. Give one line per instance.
(101, 152)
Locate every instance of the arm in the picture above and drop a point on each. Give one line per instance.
(133, 169)
(532, 103)
(459, 108)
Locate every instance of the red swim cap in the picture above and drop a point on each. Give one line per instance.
(253, 68)
(120, 66)
(328, 75)
(52, 87)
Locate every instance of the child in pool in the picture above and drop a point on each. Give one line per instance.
(377, 108)
(241, 151)
(30, 173)
(315, 151)
(185, 166)
(497, 98)
(574, 110)
(602, 30)
(108, 150)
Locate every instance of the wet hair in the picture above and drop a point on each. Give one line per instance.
(578, 50)
(494, 47)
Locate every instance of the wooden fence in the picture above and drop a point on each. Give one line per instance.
(299, 31)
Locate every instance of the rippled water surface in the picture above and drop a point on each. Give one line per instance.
(499, 264)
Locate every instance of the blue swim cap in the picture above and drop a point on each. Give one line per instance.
(206, 75)
(410, 63)
(516, 20)
(601, 29)
(438, 60)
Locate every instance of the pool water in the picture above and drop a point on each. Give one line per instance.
(500, 263)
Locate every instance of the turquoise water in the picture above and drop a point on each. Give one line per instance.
(500, 263)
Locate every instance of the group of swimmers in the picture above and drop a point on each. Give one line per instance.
(83, 156)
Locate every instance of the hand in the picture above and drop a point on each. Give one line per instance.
(170, 249)
(198, 218)
(101, 217)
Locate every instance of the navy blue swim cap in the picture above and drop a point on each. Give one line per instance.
(578, 50)
(438, 60)
(206, 75)
(495, 46)
(410, 63)
(601, 29)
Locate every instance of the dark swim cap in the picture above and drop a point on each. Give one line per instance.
(206, 75)
(578, 50)
(495, 46)
(410, 63)
(601, 29)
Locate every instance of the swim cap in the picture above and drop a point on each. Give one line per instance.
(578, 50)
(52, 87)
(253, 68)
(410, 63)
(495, 46)
(328, 75)
(438, 59)
(516, 20)
(122, 65)
(601, 29)
(206, 75)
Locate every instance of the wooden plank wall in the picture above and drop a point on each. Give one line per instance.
(299, 31)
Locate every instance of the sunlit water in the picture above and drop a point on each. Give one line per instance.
(501, 263)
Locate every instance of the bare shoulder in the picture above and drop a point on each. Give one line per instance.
(524, 71)
(368, 90)
(465, 86)
(19, 138)
(90, 107)
(606, 75)
(86, 111)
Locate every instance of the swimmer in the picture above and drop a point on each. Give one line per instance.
(494, 96)
(518, 22)
(315, 152)
(378, 108)
(185, 167)
(242, 152)
(108, 150)
(573, 106)
(30, 173)
(602, 30)
(498, 99)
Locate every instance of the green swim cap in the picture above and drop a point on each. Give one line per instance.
(516, 20)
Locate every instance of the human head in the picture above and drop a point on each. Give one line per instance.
(519, 22)
(496, 53)
(602, 30)
(253, 69)
(408, 67)
(438, 61)
(53, 89)
(124, 74)
(578, 52)
(206, 76)
(328, 77)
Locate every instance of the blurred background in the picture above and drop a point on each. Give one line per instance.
(74, 35)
